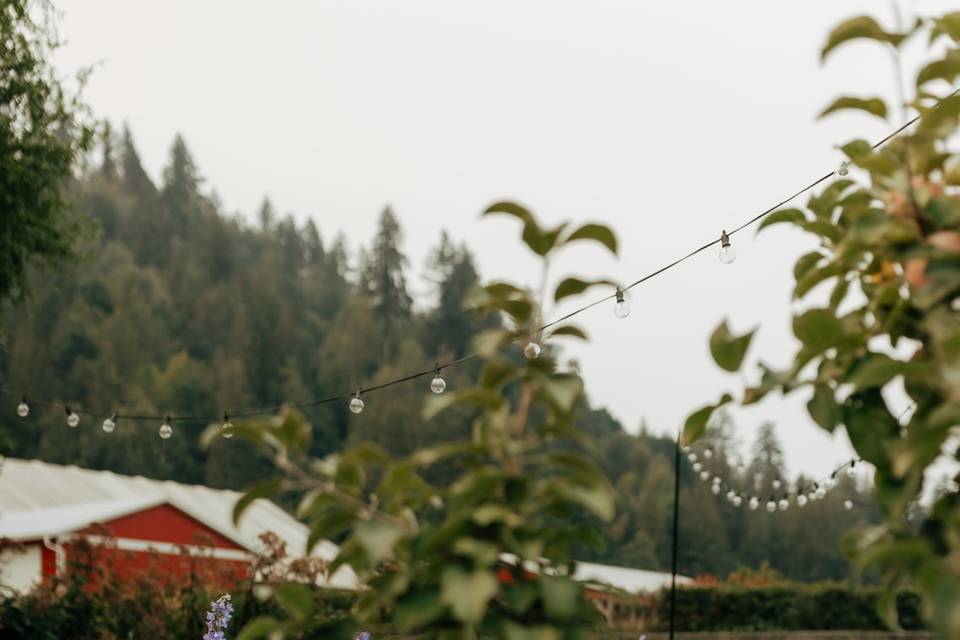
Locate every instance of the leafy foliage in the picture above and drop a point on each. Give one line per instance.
(43, 135)
(889, 264)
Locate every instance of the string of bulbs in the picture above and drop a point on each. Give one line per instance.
(438, 385)
(802, 495)
(780, 497)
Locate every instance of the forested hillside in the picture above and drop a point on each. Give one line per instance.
(177, 307)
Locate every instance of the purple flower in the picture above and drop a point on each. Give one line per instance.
(218, 618)
(363, 635)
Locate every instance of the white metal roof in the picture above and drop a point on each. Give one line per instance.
(42, 496)
(623, 578)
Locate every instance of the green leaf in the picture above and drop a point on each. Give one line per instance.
(861, 27)
(262, 490)
(877, 369)
(948, 24)
(727, 349)
(510, 209)
(823, 408)
(696, 423)
(793, 216)
(946, 69)
(870, 426)
(597, 232)
(561, 596)
(569, 330)
(467, 593)
(818, 329)
(857, 150)
(258, 628)
(563, 390)
(295, 598)
(805, 263)
(573, 286)
(816, 276)
(377, 539)
(874, 106)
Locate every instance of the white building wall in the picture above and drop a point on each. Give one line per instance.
(21, 571)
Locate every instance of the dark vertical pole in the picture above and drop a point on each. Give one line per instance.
(676, 523)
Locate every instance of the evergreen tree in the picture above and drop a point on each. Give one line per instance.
(383, 280)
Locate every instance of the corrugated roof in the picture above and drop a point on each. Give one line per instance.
(34, 524)
(624, 578)
(32, 486)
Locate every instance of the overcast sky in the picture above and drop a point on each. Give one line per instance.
(669, 120)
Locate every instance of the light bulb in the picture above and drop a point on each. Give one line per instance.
(801, 500)
(715, 489)
(737, 501)
(708, 453)
(23, 409)
(438, 385)
(356, 404)
(226, 429)
(731, 495)
(754, 503)
(783, 504)
(852, 470)
(532, 350)
(110, 424)
(812, 496)
(821, 492)
(72, 419)
(727, 253)
(697, 466)
(843, 169)
(621, 308)
(704, 475)
(692, 457)
(165, 429)
(776, 484)
(771, 506)
(717, 480)
(848, 505)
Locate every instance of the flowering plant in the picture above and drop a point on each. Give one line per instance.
(218, 617)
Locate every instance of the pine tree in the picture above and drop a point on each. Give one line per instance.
(384, 281)
(135, 179)
(180, 183)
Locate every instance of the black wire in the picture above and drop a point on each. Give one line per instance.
(413, 376)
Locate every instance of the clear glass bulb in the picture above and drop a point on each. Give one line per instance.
(72, 419)
(438, 385)
(783, 504)
(621, 309)
(771, 506)
(697, 466)
(731, 495)
(754, 503)
(109, 425)
(848, 505)
(356, 404)
(821, 492)
(801, 500)
(692, 457)
(843, 169)
(226, 429)
(851, 472)
(717, 480)
(737, 501)
(704, 475)
(531, 351)
(728, 254)
(23, 409)
(166, 430)
(715, 489)
(708, 453)
(776, 484)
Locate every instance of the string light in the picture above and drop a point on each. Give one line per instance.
(356, 403)
(737, 501)
(692, 457)
(783, 504)
(704, 475)
(532, 350)
(852, 470)
(165, 429)
(23, 409)
(754, 503)
(708, 453)
(697, 467)
(848, 505)
(715, 489)
(226, 429)
(776, 484)
(72, 418)
(621, 308)
(109, 424)
(843, 169)
(438, 385)
(771, 506)
(727, 253)
(801, 500)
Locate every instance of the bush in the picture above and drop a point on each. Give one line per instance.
(784, 607)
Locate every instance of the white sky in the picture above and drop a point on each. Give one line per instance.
(668, 120)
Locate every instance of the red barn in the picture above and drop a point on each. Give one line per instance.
(56, 512)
